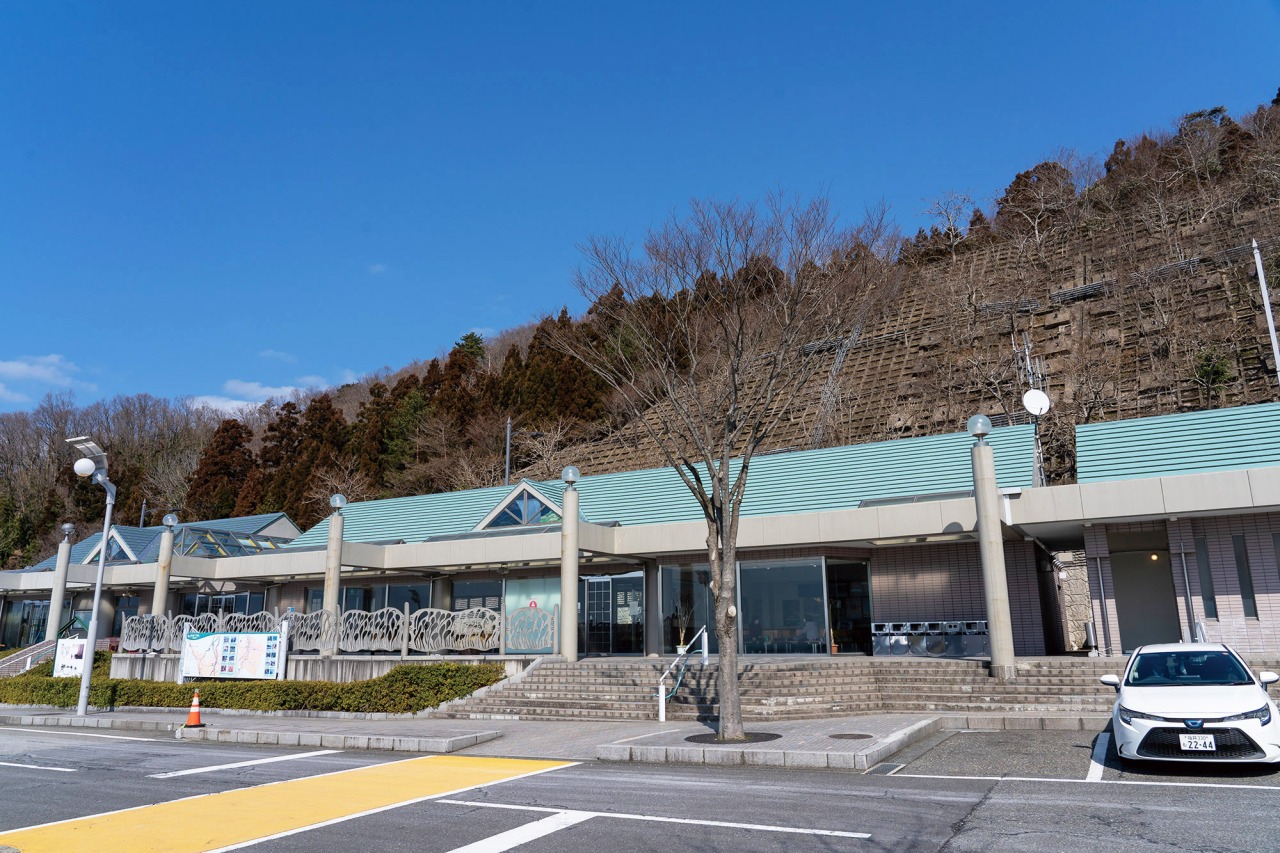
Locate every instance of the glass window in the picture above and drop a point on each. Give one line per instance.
(1206, 579)
(468, 594)
(1247, 599)
(782, 608)
(356, 598)
(126, 606)
(687, 606)
(315, 600)
(524, 510)
(416, 595)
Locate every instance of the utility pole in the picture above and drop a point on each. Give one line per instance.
(1266, 306)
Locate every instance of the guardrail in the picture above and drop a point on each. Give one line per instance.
(681, 661)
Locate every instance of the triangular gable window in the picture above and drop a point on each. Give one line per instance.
(117, 551)
(524, 510)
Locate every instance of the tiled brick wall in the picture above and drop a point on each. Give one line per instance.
(1246, 634)
(921, 583)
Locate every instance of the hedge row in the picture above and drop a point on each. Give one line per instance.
(404, 689)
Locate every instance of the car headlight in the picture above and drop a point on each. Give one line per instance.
(1128, 715)
(1263, 714)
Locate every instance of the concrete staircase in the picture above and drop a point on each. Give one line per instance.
(790, 687)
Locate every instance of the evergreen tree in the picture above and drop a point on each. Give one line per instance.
(220, 474)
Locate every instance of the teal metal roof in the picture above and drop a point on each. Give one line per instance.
(1189, 443)
(779, 484)
(145, 541)
(412, 519)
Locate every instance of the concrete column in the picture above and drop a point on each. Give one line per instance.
(442, 593)
(160, 597)
(569, 568)
(333, 575)
(991, 544)
(59, 592)
(652, 609)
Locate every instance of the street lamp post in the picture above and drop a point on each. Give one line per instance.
(995, 585)
(94, 466)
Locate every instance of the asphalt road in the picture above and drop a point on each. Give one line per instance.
(963, 791)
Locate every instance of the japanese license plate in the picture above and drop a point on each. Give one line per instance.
(1197, 743)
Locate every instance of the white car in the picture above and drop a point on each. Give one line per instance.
(1193, 702)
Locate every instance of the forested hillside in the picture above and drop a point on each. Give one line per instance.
(1122, 288)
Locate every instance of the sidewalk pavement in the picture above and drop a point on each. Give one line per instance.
(839, 743)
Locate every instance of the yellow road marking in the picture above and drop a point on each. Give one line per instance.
(232, 818)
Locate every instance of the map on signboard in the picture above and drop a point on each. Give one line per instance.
(257, 655)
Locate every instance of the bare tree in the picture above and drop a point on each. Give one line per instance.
(951, 212)
(343, 477)
(705, 334)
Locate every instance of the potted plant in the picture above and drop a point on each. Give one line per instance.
(682, 617)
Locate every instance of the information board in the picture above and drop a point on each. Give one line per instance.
(246, 655)
(68, 660)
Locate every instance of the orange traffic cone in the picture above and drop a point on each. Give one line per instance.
(193, 716)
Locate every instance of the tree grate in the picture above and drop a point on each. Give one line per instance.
(749, 737)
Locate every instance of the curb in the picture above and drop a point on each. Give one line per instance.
(386, 743)
(728, 756)
(861, 760)
(390, 743)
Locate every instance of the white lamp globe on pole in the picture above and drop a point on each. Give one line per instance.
(94, 465)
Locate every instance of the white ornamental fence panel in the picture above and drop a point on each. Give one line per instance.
(428, 630)
(379, 631)
(312, 631)
(532, 629)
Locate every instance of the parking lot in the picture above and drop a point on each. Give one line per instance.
(1069, 756)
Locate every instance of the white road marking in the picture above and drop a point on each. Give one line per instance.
(319, 824)
(1086, 781)
(524, 834)
(216, 767)
(759, 827)
(43, 731)
(650, 734)
(379, 809)
(1096, 761)
(37, 767)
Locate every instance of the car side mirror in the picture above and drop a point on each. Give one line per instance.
(1268, 678)
(1111, 681)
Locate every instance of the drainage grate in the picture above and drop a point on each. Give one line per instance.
(851, 736)
(750, 737)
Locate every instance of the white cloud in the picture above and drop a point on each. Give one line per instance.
(377, 269)
(258, 392)
(313, 382)
(349, 376)
(276, 354)
(226, 405)
(45, 369)
(12, 396)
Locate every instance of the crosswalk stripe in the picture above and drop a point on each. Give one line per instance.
(216, 767)
(512, 838)
(273, 810)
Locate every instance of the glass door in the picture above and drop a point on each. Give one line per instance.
(849, 603)
(597, 633)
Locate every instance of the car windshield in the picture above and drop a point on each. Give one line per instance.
(1153, 669)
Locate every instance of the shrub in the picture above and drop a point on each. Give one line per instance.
(405, 689)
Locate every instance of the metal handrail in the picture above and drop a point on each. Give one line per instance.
(679, 661)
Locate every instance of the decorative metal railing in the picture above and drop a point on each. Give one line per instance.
(428, 630)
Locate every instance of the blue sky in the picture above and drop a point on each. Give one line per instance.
(229, 200)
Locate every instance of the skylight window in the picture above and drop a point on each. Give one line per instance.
(525, 510)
